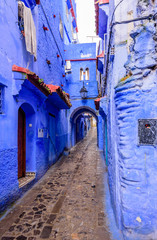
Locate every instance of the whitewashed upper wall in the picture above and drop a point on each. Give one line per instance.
(125, 11)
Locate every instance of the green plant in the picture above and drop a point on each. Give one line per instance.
(41, 80)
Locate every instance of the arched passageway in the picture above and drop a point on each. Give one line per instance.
(81, 119)
(83, 125)
(79, 127)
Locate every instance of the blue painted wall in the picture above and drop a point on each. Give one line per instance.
(138, 162)
(59, 128)
(103, 19)
(78, 53)
(78, 108)
(131, 166)
(81, 56)
(19, 92)
(82, 126)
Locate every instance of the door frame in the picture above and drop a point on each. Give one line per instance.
(21, 143)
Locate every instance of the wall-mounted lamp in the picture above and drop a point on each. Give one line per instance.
(83, 92)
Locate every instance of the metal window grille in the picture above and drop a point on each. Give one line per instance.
(112, 50)
(112, 53)
(1, 99)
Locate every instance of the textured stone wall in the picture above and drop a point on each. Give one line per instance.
(8, 158)
(131, 166)
(136, 98)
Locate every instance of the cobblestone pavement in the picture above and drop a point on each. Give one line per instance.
(66, 204)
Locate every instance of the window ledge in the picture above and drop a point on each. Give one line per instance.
(30, 176)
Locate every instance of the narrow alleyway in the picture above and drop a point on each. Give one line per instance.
(67, 203)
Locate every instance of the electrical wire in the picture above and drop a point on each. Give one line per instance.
(51, 31)
(149, 17)
(109, 45)
(115, 10)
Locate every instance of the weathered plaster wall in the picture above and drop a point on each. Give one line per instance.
(116, 70)
(135, 99)
(13, 51)
(131, 168)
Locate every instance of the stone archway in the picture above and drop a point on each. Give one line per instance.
(75, 115)
(81, 110)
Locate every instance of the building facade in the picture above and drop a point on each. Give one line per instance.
(83, 75)
(128, 106)
(33, 105)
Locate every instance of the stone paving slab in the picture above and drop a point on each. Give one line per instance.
(66, 204)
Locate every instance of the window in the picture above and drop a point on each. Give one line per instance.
(21, 16)
(60, 27)
(67, 12)
(87, 74)
(81, 74)
(1, 98)
(112, 50)
(72, 30)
